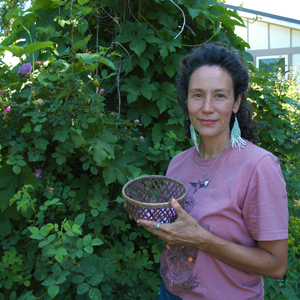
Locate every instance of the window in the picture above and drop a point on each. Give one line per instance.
(271, 64)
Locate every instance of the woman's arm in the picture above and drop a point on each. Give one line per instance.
(268, 258)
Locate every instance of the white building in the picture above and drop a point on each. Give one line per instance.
(273, 40)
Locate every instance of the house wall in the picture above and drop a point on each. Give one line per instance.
(269, 37)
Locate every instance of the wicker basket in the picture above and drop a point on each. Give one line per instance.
(148, 197)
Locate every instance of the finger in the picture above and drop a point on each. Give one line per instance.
(174, 203)
(149, 225)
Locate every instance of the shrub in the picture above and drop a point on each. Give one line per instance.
(91, 106)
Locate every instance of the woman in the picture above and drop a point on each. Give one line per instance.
(233, 228)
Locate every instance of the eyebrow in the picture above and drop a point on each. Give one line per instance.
(217, 90)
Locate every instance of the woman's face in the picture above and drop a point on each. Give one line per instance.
(211, 102)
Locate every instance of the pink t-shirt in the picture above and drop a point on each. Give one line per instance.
(245, 201)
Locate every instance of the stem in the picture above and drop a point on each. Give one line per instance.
(31, 43)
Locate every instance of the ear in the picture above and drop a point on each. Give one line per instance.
(237, 103)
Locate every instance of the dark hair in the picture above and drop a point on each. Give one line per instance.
(218, 54)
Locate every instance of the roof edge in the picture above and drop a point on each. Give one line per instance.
(262, 13)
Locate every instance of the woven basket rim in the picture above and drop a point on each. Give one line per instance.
(143, 204)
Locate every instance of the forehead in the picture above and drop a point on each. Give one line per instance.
(211, 76)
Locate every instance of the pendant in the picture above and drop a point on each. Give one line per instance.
(206, 182)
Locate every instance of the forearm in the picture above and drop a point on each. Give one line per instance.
(254, 260)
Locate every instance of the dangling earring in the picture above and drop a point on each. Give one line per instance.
(236, 139)
(194, 138)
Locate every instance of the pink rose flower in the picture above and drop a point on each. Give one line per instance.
(25, 68)
(38, 63)
(101, 91)
(37, 173)
(8, 109)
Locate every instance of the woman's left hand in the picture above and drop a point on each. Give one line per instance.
(185, 231)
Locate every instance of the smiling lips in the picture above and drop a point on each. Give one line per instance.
(207, 122)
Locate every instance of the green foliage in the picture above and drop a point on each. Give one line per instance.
(99, 108)
(276, 104)
(8, 12)
(287, 287)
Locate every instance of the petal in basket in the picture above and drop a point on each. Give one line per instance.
(148, 197)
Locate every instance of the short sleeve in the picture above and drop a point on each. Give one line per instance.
(265, 207)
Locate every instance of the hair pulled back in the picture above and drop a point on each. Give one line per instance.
(218, 54)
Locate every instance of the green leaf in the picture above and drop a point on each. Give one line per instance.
(89, 249)
(82, 288)
(59, 257)
(120, 167)
(96, 279)
(33, 47)
(41, 143)
(104, 145)
(135, 87)
(87, 240)
(96, 242)
(53, 290)
(136, 35)
(51, 251)
(61, 135)
(5, 225)
(144, 109)
(62, 251)
(167, 43)
(14, 49)
(79, 220)
(49, 282)
(34, 230)
(164, 95)
(16, 169)
(82, 24)
(38, 128)
(95, 294)
(88, 59)
(78, 140)
(56, 270)
(82, 2)
(77, 279)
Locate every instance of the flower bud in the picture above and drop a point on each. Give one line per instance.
(7, 110)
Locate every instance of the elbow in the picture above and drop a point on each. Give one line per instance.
(278, 273)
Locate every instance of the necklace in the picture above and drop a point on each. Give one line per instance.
(206, 182)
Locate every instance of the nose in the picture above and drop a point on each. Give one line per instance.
(208, 105)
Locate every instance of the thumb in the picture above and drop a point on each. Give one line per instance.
(177, 207)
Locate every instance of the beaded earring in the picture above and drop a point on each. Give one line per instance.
(236, 139)
(194, 138)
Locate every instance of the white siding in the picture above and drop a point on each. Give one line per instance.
(258, 35)
(242, 31)
(296, 62)
(295, 38)
(280, 37)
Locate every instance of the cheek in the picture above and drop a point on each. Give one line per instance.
(192, 107)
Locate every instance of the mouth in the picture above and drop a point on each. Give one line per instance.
(207, 122)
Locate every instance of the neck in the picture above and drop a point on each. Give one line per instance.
(211, 148)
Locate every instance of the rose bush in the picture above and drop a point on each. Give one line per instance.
(94, 107)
